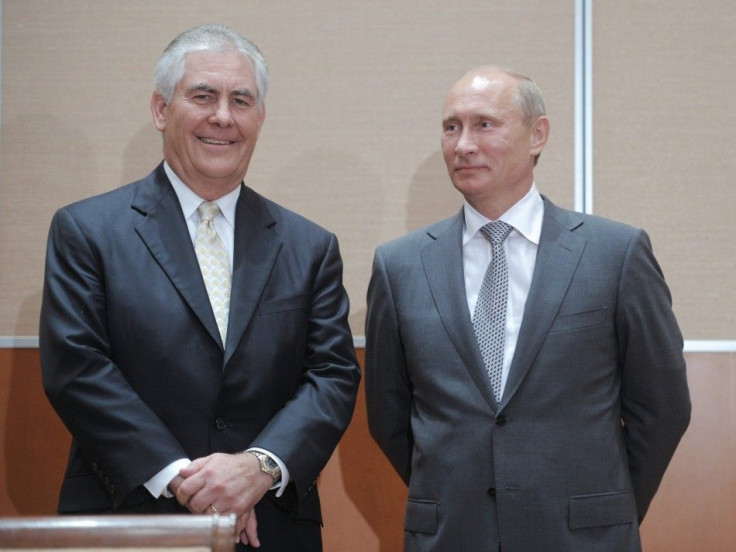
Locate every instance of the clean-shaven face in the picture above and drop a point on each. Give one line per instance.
(212, 122)
(488, 149)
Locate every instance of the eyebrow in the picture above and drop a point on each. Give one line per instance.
(247, 92)
(204, 87)
(476, 116)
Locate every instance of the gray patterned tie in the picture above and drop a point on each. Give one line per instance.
(214, 263)
(489, 319)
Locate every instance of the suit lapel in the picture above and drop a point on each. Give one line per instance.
(257, 246)
(557, 259)
(443, 266)
(165, 233)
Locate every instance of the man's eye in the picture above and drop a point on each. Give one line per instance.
(451, 128)
(486, 124)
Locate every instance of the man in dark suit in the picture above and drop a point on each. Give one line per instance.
(553, 433)
(194, 335)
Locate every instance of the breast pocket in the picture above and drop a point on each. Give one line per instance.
(588, 318)
(283, 304)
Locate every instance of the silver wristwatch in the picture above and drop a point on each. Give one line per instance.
(268, 464)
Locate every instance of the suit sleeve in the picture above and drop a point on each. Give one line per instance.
(655, 401)
(388, 388)
(305, 432)
(123, 441)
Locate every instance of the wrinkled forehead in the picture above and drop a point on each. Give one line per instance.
(214, 55)
(230, 62)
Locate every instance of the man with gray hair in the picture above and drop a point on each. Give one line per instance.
(194, 335)
(524, 369)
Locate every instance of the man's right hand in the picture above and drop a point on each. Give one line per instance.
(246, 529)
(173, 486)
(224, 483)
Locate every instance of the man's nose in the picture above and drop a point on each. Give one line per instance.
(222, 114)
(465, 143)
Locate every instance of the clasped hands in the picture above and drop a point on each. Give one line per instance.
(224, 483)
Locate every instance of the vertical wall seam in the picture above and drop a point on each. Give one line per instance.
(583, 102)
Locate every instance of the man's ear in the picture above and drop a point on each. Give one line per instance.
(539, 135)
(158, 110)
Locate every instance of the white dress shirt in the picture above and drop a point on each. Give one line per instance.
(224, 224)
(525, 217)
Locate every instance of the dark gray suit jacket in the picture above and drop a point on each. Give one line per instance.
(133, 361)
(594, 406)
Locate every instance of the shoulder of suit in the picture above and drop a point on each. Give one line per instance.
(283, 216)
(420, 237)
(155, 184)
(588, 224)
(107, 202)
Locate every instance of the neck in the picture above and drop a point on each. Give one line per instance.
(212, 191)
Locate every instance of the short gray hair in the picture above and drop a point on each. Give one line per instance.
(528, 98)
(170, 66)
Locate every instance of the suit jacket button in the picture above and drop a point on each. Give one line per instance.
(501, 420)
(492, 492)
(220, 423)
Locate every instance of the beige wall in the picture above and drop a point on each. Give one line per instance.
(663, 81)
(352, 133)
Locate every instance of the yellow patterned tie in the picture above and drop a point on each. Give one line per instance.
(214, 264)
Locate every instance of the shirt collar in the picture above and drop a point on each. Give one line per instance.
(189, 201)
(525, 216)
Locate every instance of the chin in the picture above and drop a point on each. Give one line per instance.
(220, 171)
(469, 187)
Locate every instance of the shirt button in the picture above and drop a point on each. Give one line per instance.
(220, 423)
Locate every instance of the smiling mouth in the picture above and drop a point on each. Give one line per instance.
(214, 142)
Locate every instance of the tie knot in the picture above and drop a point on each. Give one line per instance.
(208, 210)
(496, 231)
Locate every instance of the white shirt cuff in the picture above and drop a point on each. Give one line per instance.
(158, 484)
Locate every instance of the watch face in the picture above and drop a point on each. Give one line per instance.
(268, 464)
